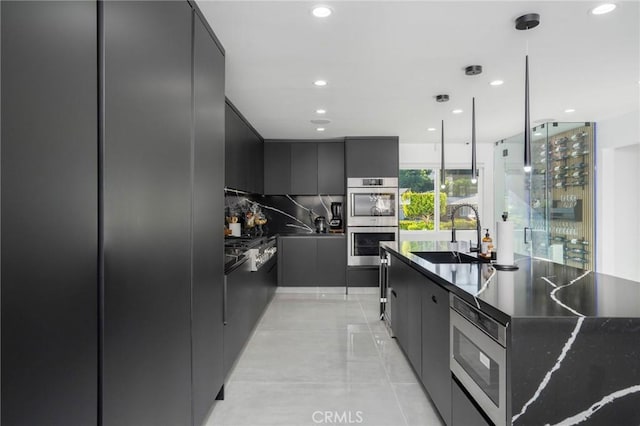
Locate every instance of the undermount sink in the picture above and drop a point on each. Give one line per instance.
(447, 257)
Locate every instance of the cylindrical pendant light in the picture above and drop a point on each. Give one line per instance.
(442, 184)
(527, 119)
(474, 169)
(526, 22)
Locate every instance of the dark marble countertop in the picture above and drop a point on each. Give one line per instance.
(539, 288)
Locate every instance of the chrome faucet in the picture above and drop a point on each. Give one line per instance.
(478, 229)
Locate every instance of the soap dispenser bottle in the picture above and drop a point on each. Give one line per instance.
(487, 245)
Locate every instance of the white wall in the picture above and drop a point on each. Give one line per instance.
(617, 193)
(427, 155)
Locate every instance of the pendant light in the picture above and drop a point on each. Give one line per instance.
(473, 70)
(474, 169)
(441, 99)
(442, 184)
(526, 22)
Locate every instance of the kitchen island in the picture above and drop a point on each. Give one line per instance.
(571, 344)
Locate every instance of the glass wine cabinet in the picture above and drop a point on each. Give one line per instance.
(553, 207)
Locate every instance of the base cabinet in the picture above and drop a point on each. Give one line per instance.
(420, 322)
(312, 261)
(435, 374)
(463, 411)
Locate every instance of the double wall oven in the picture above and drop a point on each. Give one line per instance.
(372, 217)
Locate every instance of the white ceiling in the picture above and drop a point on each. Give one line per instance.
(386, 60)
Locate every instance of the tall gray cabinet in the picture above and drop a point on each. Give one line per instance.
(49, 205)
(112, 201)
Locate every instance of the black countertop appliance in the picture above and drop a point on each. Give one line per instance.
(336, 216)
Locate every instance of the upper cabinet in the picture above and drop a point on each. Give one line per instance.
(244, 153)
(372, 156)
(304, 167)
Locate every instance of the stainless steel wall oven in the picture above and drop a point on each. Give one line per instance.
(364, 242)
(372, 202)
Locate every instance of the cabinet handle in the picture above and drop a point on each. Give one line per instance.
(434, 299)
(394, 293)
(525, 235)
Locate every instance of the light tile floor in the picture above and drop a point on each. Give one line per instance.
(320, 357)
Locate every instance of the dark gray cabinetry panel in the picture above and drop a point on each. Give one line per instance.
(208, 211)
(49, 213)
(147, 210)
(435, 346)
(298, 256)
(256, 161)
(371, 157)
(332, 261)
(277, 168)
(464, 412)
(304, 168)
(244, 153)
(237, 326)
(236, 168)
(331, 168)
(399, 300)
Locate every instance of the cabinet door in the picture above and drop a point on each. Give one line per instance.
(208, 208)
(235, 134)
(304, 168)
(372, 157)
(277, 168)
(298, 261)
(332, 261)
(256, 162)
(147, 213)
(399, 301)
(331, 168)
(414, 318)
(435, 346)
(464, 412)
(49, 213)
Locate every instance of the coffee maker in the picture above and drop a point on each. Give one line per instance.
(335, 224)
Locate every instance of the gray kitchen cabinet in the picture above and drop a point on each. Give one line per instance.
(147, 213)
(312, 260)
(464, 412)
(435, 375)
(49, 213)
(399, 300)
(304, 168)
(277, 168)
(332, 261)
(244, 153)
(372, 156)
(406, 283)
(237, 313)
(331, 168)
(208, 213)
(298, 257)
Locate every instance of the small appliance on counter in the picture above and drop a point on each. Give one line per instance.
(321, 225)
(335, 224)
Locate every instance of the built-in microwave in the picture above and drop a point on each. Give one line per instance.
(478, 357)
(372, 202)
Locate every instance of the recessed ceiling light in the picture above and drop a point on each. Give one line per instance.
(321, 11)
(457, 111)
(497, 83)
(431, 129)
(320, 129)
(603, 8)
(569, 110)
(321, 111)
(537, 134)
(320, 83)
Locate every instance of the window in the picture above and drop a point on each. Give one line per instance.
(427, 207)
